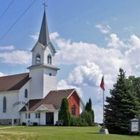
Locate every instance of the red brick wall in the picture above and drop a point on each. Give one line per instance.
(74, 100)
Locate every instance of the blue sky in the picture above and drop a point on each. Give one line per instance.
(92, 38)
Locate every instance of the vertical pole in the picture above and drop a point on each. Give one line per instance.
(12, 117)
(28, 109)
(103, 107)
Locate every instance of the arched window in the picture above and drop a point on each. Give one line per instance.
(49, 59)
(4, 104)
(26, 93)
(73, 110)
(38, 59)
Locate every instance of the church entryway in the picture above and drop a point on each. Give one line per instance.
(49, 118)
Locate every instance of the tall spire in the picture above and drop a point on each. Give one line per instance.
(44, 32)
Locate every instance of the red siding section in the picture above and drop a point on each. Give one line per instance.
(74, 100)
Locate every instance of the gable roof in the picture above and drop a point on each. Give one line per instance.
(52, 100)
(13, 82)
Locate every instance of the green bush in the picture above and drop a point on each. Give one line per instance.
(87, 116)
(77, 122)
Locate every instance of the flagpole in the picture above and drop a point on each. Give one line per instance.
(103, 129)
(103, 108)
(103, 89)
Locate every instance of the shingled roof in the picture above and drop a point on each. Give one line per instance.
(52, 100)
(13, 82)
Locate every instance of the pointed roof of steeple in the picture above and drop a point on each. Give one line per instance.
(44, 32)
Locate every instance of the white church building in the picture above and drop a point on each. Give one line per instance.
(32, 98)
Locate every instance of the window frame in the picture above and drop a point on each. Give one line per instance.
(37, 115)
(4, 104)
(26, 93)
(73, 110)
(49, 59)
(38, 59)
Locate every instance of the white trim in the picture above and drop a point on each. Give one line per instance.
(45, 109)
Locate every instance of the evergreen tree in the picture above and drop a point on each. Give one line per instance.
(135, 85)
(64, 112)
(122, 106)
(88, 113)
(87, 116)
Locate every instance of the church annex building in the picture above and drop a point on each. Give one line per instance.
(33, 97)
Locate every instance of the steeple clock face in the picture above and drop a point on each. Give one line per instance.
(38, 59)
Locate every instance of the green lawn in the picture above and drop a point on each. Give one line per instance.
(57, 133)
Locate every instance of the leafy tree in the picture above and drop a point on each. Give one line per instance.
(122, 106)
(64, 112)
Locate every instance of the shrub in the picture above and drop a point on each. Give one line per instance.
(87, 116)
(77, 122)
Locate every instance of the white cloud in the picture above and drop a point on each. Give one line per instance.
(35, 36)
(105, 29)
(54, 35)
(11, 47)
(135, 41)
(15, 57)
(115, 42)
(2, 74)
(86, 74)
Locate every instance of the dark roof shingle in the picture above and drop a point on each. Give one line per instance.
(13, 82)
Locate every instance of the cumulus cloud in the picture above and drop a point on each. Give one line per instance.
(115, 42)
(15, 57)
(85, 74)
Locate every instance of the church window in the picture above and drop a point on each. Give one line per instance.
(26, 93)
(27, 115)
(73, 110)
(4, 104)
(37, 115)
(49, 59)
(38, 59)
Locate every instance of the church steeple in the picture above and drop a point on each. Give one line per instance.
(44, 32)
(43, 70)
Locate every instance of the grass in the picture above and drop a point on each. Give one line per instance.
(58, 133)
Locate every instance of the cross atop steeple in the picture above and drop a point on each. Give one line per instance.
(45, 5)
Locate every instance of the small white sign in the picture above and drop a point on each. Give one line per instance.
(134, 126)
